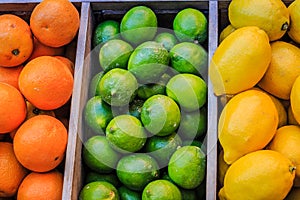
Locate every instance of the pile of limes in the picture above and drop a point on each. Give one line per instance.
(147, 109)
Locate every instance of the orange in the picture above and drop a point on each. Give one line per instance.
(33, 111)
(10, 75)
(40, 143)
(46, 83)
(15, 39)
(12, 108)
(67, 62)
(54, 22)
(41, 186)
(11, 171)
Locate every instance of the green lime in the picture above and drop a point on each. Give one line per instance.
(98, 155)
(187, 57)
(135, 108)
(190, 24)
(193, 124)
(161, 189)
(105, 31)
(149, 61)
(127, 194)
(126, 134)
(118, 87)
(149, 90)
(138, 25)
(94, 176)
(168, 40)
(135, 171)
(94, 85)
(196, 143)
(188, 90)
(97, 114)
(187, 167)
(115, 54)
(160, 115)
(99, 190)
(162, 148)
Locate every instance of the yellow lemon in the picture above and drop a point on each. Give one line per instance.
(222, 168)
(240, 61)
(294, 194)
(291, 118)
(282, 71)
(270, 15)
(225, 32)
(295, 99)
(247, 123)
(263, 174)
(294, 29)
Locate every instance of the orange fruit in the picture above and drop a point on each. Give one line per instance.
(67, 62)
(11, 171)
(12, 108)
(54, 22)
(10, 75)
(15, 39)
(33, 111)
(41, 186)
(40, 143)
(46, 82)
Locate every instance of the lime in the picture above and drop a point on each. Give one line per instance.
(98, 155)
(187, 57)
(99, 190)
(114, 54)
(190, 24)
(160, 115)
(149, 61)
(188, 90)
(97, 114)
(162, 148)
(135, 108)
(138, 25)
(187, 167)
(161, 189)
(196, 143)
(118, 87)
(193, 124)
(126, 134)
(127, 194)
(94, 89)
(149, 90)
(168, 40)
(105, 31)
(135, 171)
(94, 176)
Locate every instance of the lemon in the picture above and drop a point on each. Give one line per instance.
(225, 32)
(264, 174)
(291, 118)
(247, 123)
(222, 168)
(240, 61)
(295, 99)
(283, 70)
(270, 15)
(294, 29)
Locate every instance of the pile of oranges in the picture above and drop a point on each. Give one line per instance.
(36, 84)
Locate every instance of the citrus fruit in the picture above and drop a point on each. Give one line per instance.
(168, 40)
(54, 23)
(33, 111)
(190, 24)
(160, 115)
(231, 69)
(282, 71)
(187, 57)
(222, 168)
(10, 75)
(126, 134)
(270, 15)
(196, 143)
(118, 87)
(188, 90)
(247, 123)
(16, 40)
(114, 54)
(225, 32)
(112, 178)
(97, 114)
(135, 171)
(94, 89)
(161, 189)
(282, 114)
(99, 190)
(187, 167)
(149, 90)
(11, 171)
(295, 99)
(12, 108)
(139, 24)
(98, 154)
(70, 65)
(31, 137)
(135, 108)
(263, 174)
(41, 186)
(106, 30)
(148, 61)
(46, 82)
(127, 194)
(291, 118)
(294, 28)
(293, 194)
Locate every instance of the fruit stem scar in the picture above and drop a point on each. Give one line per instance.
(15, 52)
(285, 26)
(292, 168)
(36, 111)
